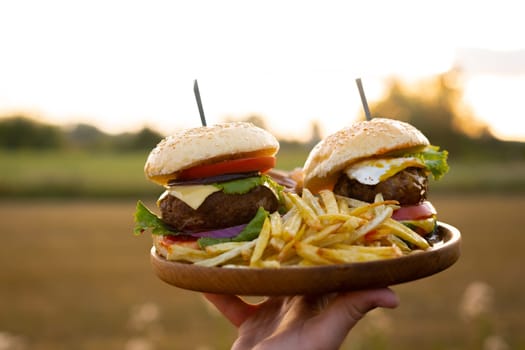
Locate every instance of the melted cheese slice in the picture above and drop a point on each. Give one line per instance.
(192, 195)
(373, 171)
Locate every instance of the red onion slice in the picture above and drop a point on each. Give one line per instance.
(227, 232)
(213, 179)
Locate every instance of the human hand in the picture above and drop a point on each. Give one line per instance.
(299, 322)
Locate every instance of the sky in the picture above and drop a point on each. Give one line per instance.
(123, 65)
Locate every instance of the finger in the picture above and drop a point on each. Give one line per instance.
(352, 306)
(232, 307)
(347, 309)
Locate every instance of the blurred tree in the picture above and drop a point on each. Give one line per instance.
(255, 119)
(315, 133)
(20, 132)
(145, 139)
(435, 107)
(85, 136)
(24, 133)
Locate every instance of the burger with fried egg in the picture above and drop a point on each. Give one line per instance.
(380, 156)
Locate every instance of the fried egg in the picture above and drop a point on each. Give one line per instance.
(373, 171)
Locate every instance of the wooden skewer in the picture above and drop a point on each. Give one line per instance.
(199, 102)
(363, 98)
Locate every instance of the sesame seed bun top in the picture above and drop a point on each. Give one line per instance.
(207, 145)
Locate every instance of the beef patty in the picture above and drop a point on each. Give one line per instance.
(219, 210)
(409, 187)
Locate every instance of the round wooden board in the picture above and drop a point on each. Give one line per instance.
(297, 280)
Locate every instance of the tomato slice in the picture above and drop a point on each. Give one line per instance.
(242, 165)
(181, 240)
(414, 212)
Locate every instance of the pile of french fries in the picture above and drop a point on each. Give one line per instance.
(316, 230)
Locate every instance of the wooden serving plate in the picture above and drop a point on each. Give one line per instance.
(296, 280)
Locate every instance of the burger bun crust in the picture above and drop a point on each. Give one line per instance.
(361, 140)
(206, 145)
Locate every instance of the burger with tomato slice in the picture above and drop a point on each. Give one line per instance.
(215, 185)
(380, 156)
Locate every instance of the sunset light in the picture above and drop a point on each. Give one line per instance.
(126, 225)
(124, 65)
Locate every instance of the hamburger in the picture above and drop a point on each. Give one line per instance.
(215, 186)
(383, 156)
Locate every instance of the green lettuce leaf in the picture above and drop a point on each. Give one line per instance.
(146, 220)
(434, 159)
(240, 186)
(278, 189)
(249, 233)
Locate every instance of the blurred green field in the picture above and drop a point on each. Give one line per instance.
(74, 277)
(83, 174)
(120, 175)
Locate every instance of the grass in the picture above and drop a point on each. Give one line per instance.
(73, 276)
(483, 176)
(72, 174)
(120, 175)
(82, 174)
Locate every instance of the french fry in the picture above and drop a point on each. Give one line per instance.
(378, 198)
(353, 253)
(276, 224)
(246, 254)
(351, 202)
(372, 224)
(406, 234)
(393, 239)
(335, 238)
(377, 235)
(320, 235)
(306, 263)
(329, 201)
(313, 202)
(277, 243)
(182, 253)
(310, 252)
(224, 257)
(271, 264)
(288, 249)
(220, 248)
(287, 252)
(291, 224)
(306, 212)
(362, 210)
(300, 233)
(262, 242)
(288, 204)
(352, 223)
(292, 261)
(379, 250)
(343, 206)
(333, 218)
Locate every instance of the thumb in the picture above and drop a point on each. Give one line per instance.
(348, 308)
